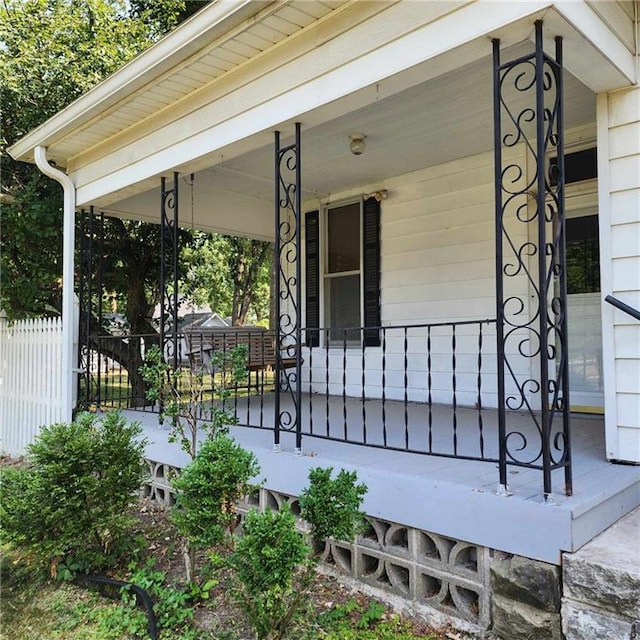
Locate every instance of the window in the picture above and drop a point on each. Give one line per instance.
(578, 166)
(583, 255)
(342, 272)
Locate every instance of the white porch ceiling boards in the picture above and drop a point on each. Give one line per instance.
(273, 24)
(222, 36)
(443, 119)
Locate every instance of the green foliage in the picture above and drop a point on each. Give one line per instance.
(230, 274)
(208, 489)
(70, 507)
(52, 52)
(172, 606)
(332, 506)
(393, 629)
(353, 621)
(271, 552)
(164, 386)
(267, 560)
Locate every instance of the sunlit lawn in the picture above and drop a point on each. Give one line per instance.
(116, 392)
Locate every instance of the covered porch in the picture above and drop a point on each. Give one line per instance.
(407, 160)
(243, 122)
(457, 186)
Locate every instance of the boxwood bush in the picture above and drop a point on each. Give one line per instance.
(70, 506)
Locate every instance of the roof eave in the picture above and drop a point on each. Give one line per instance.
(210, 22)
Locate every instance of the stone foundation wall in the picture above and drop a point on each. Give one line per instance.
(526, 596)
(601, 596)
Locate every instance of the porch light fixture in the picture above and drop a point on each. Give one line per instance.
(357, 143)
(379, 195)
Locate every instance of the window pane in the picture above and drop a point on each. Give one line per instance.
(343, 238)
(583, 259)
(343, 295)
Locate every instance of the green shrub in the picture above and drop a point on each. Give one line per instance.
(207, 491)
(272, 561)
(332, 506)
(267, 559)
(70, 506)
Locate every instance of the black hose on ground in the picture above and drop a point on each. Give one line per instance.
(142, 596)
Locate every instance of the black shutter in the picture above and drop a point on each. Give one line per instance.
(371, 276)
(312, 276)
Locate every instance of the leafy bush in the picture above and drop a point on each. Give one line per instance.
(332, 506)
(275, 566)
(267, 558)
(70, 506)
(207, 491)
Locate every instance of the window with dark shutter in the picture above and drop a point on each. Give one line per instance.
(371, 271)
(312, 277)
(342, 274)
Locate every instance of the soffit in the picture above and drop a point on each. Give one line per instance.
(273, 24)
(442, 120)
(269, 24)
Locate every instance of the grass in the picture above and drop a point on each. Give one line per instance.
(115, 389)
(35, 608)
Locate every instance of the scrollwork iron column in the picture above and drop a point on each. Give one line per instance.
(531, 292)
(288, 286)
(169, 270)
(90, 242)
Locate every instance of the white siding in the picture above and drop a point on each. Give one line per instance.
(619, 170)
(618, 17)
(437, 265)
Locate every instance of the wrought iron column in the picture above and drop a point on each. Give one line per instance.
(288, 286)
(90, 239)
(169, 270)
(531, 292)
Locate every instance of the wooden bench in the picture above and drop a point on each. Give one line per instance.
(260, 344)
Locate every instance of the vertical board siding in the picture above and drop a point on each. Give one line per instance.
(30, 387)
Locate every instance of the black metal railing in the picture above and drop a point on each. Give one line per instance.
(618, 304)
(425, 389)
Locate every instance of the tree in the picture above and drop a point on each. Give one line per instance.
(130, 254)
(230, 274)
(52, 52)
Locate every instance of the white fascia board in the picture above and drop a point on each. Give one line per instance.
(467, 25)
(591, 26)
(209, 23)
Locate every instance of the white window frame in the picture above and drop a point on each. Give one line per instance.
(324, 276)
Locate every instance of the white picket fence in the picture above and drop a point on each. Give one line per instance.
(30, 380)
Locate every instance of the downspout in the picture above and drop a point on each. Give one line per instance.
(68, 328)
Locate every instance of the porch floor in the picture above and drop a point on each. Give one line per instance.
(451, 497)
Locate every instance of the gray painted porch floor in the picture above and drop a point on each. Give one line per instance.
(450, 497)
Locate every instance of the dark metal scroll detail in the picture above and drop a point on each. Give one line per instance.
(169, 250)
(90, 243)
(530, 264)
(288, 284)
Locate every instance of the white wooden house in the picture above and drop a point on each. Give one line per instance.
(407, 130)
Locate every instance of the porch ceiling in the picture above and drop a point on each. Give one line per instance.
(443, 119)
